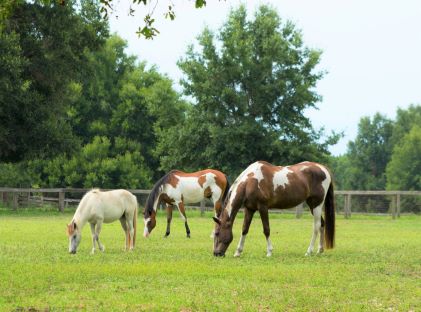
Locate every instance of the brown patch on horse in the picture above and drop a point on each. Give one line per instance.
(201, 180)
(165, 198)
(207, 192)
(70, 229)
(173, 180)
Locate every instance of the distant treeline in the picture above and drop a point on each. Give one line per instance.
(77, 111)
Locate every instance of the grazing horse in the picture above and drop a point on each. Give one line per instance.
(97, 207)
(179, 188)
(263, 186)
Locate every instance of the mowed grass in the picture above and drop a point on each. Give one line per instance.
(376, 265)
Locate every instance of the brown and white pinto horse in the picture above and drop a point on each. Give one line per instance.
(179, 188)
(263, 186)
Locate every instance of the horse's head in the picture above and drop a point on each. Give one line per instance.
(150, 223)
(223, 235)
(74, 234)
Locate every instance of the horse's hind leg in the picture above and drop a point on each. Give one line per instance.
(130, 230)
(124, 226)
(169, 218)
(180, 206)
(248, 216)
(317, 224)
(322, 237)
(93, 237)
(97, 231)
(264, 215)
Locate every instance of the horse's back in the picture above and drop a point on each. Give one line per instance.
(111, 205)
(284, 186)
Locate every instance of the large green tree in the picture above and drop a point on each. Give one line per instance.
(251, 83)
(44, 47)
(404, 168)
(369, 153)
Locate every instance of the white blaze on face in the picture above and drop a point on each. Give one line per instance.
(255, 169)
(280, 178)
(325, 182)
(145, 230)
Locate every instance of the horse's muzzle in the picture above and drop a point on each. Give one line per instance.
(219, 254)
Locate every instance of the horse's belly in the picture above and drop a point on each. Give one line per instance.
(110, 215)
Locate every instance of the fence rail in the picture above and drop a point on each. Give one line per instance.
(347, 202)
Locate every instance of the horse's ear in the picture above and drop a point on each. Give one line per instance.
(216, 220)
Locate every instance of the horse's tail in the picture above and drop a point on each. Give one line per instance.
(135, 223)
(330, 218)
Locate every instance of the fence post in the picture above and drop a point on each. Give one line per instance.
(15, 200)
(348, 206)
(398, 205)
(299, 211)
(1, 197)
(61, 200)
(393, 208)
(202, 208)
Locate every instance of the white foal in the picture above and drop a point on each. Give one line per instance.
(98, 207)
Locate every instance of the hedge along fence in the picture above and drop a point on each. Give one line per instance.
(347, 202)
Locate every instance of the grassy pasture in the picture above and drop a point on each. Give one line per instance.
(376, 265)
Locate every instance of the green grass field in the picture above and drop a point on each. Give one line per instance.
(376, 265)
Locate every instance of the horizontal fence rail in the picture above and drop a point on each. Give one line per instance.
(347, 202)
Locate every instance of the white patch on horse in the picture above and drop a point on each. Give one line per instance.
(255, 169)
(280, 178)
(304, 168)
(187, 189)
(327, 180)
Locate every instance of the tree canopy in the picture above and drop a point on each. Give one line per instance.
(251, 83)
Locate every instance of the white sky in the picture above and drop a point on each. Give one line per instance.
(371, 50)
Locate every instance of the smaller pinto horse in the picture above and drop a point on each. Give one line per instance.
(263, 186)
(98, 207)
(179, 188)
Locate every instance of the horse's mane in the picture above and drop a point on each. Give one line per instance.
(224, 196)
(155, 192)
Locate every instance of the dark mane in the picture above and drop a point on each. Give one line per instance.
(155, 192)
(224, 196)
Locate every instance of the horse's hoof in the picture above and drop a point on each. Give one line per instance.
(308, 254)
(269, 254)
(188, 235)
(166, 235)
(102, 248)
(93, 251)
(237, 254)
(320, 251)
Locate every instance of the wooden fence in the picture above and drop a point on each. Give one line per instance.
(17, 195)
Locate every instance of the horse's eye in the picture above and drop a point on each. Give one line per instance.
(216, 233)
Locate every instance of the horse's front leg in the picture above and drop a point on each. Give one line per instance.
(248, 216)
(97, 232)
(317, 224)
(93, 237)
(169, 218)
(217, 207)
(264, 215)
(180, 206)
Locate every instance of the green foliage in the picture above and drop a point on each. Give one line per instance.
(404, 169)
(250, 97)
(370, 153)
(148, 30)
(384, 154)
(43, 49)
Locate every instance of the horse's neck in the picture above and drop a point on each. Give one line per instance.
(80, 218)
